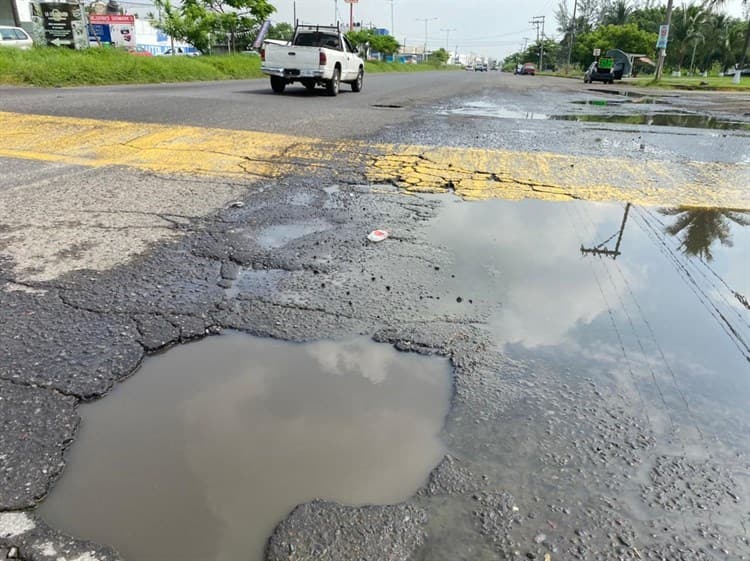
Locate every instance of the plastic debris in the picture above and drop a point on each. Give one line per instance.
(377, 235)
(236, 204)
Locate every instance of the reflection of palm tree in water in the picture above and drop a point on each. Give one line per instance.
(700, 227)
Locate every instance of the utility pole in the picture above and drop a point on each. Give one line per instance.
(393, 31)
(663, 50)
(572, 31)
(538, 21)
(424, 51)
(447, 35)
(601, 249)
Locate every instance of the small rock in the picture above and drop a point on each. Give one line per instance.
(236, 204)
(540, 538)
(13, 553)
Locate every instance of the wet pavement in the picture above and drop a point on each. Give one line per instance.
(599, 350)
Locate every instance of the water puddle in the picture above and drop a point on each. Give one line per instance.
(681, 120)
(642, 100)
(675, 281)
(208, 446)
(489, 109)
(278, 235)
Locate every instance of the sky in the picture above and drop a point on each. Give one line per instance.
(488, 28)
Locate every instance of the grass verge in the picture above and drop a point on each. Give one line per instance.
(50, 67)
(714, 83)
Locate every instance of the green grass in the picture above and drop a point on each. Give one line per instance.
(723, 83)
(65, 67)
(50, 67)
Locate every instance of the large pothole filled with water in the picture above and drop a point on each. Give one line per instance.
(210, 445)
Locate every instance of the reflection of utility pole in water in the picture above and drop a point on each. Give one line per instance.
(601, 249)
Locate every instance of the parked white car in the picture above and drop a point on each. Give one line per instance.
(317, 55)
(15, 37)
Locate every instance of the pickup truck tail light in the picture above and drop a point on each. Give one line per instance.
(263, 55)
(322, 59)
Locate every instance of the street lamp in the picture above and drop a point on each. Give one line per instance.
(447, 36)
(424, 51)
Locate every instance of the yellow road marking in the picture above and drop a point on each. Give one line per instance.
(471, 173)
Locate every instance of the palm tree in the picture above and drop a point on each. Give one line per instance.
(745, 3)
(617, 13)
(700, 227)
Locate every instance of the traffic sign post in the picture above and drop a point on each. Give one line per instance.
(351, 12)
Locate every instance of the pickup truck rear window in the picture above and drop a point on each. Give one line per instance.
(318, 39)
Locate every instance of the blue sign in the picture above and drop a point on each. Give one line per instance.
(99, 33)
(661, 42)
(161, 37)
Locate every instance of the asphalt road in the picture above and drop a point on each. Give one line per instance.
(129, 217)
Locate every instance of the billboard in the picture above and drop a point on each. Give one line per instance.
(115, 30)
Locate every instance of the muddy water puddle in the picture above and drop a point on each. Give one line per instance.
(666, 119)
(207, 447)
(624, 110)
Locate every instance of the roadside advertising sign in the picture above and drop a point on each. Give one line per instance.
(661, 42)
(112, 29)
(63, 25)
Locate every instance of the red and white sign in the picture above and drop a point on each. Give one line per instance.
(108, 20)
(351, 1)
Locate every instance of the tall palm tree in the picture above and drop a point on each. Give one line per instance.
(745, 3)
(617, 13)
(701, 227)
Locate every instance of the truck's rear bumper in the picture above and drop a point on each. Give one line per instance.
(293, 73)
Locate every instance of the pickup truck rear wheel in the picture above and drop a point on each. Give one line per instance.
(278, 84)
(332, 86)
(357, 84)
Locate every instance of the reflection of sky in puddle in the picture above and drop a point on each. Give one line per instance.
(551, 299)
(489, 109)
(208, 446)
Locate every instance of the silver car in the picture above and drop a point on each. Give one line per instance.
(14, 37)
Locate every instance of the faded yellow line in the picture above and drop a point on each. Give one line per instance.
(471, 173)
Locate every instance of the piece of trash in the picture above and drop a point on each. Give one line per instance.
(377, 235)
(236, 204)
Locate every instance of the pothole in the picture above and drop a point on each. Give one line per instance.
(660, 120)
(204, 450)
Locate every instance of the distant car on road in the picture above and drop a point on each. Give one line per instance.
(139, 51)
(469, 67)
(596, 74)
(527, 69)
(480, 67)
(179, 51)
(15, 37)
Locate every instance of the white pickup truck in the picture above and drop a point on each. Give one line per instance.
(317, 55)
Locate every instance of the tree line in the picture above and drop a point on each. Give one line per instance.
(701, 37)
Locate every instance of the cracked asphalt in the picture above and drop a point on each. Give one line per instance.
(109, 254)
